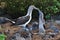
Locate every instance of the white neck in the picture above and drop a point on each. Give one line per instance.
(30, 9)
(41, 21)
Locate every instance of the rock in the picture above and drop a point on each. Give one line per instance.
(17, 36)
(57, 21)
(37, 37)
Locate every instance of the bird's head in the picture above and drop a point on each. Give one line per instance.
(30, 9)
(33, 7)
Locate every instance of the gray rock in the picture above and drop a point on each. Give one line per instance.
(57, 21)
(17, 36)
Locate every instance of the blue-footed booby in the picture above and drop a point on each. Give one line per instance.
(24, 20)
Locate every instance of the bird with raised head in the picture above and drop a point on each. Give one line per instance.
(24, 20)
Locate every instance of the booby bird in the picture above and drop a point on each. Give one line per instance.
(41, 22)
(5, 20)
(24, 20)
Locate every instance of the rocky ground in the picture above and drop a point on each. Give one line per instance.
(10, 31)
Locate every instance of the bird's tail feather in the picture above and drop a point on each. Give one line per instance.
(10, 20)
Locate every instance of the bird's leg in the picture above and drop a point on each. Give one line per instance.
(24, 28)
(28, 30)
(30, 36)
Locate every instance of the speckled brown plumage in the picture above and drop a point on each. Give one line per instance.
(22, 20)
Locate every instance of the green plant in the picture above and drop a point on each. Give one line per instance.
(19, 7)
(2, 37)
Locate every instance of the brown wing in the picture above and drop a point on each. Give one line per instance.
(22, 20)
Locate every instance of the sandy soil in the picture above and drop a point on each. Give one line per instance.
(9, 30)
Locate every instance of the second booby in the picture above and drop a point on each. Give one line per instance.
(24, 20)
